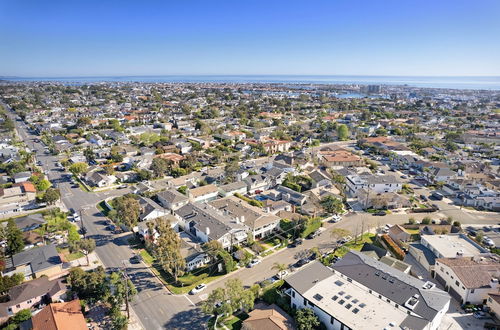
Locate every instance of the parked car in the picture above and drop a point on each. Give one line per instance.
(422, 197)
(302, 262)
(136, 259)
(481, 315)
(295, 243)
(335, 218)
(380, 213)
(489, 242)
(198, 288)
(437, 196)
(254, 262)
(313, 234)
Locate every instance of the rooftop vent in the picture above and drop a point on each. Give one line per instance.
(428, 285)
(318, 297)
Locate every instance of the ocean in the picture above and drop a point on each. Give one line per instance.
(469, 82)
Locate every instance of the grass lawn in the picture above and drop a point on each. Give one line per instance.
(103, 208)
(146, 257)
(80, 183)
(353, 245)
(70, 256)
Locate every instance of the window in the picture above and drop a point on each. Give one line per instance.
(331, 319)
(457, 284)
(293, 294)
(305, 302)
(294, 306)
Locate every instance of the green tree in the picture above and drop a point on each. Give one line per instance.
(167, 249)
(21, 316)
(127, 210)
(279, 267)
(306, 319)
(90, 285)
(343, 132)
(15, 241)
(332, 204)
(182, 190)
(87, 246)
(426, 220)
(78, 168)
(159, 166)
(51, 196)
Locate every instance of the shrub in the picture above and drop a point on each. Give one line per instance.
(392, 246)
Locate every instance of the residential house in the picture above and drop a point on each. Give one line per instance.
(261, 223)
(238, 187)
(172, 199)
(21, 177)
(397, 232)
(29, 222)
(206, 223)
(149, 209)
(257, 182)
(35, 262)
(319, 179)
(493, 303)
(469, 279)
(31, 293)
(13, 199)
(338, 157)
(358, 291)
(268, 317)
(58, 316)
(372, 183)
(205, 193)
(291, 196)
(100, 179)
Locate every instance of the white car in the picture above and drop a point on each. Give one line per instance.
(198, 288)
(489, 242)
(336, 218)
(254, 262)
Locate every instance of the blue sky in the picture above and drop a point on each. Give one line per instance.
(332, 37)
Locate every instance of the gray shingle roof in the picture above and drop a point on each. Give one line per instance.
(39, 258)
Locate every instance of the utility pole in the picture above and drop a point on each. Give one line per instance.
(125, 277)
(84, 231)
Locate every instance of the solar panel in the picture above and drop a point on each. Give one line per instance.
(355, 311)
(348, 306)
(335, 297)
(341, 301)
(341, 293)
(318, 297)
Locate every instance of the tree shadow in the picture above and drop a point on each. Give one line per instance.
(192, 319)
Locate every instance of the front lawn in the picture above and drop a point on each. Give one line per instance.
(355, 245)
(66, 255)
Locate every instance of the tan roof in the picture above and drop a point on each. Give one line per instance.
(203, 190)
(339, 155)
(473, 274)
(272, 317)
(60, 316)
(397, 229)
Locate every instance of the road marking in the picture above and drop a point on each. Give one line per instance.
(189, 300)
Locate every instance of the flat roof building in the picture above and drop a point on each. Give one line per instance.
(363, 293)
(451, 246)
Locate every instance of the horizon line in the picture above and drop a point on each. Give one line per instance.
(245, 75)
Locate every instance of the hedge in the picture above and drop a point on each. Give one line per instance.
(391, 245)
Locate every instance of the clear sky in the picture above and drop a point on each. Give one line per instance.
(311, 37)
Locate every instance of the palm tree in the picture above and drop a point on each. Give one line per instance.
(279, 267)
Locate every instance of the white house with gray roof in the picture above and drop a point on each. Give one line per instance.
(372, 183)
(207, 224)
(359, 292)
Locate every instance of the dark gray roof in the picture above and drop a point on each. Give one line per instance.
(428, 254)
(172, 196)
(375, 275)
(39, 258)
(30, 222)
(307, 277)
(378, 250)
(147, 206)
